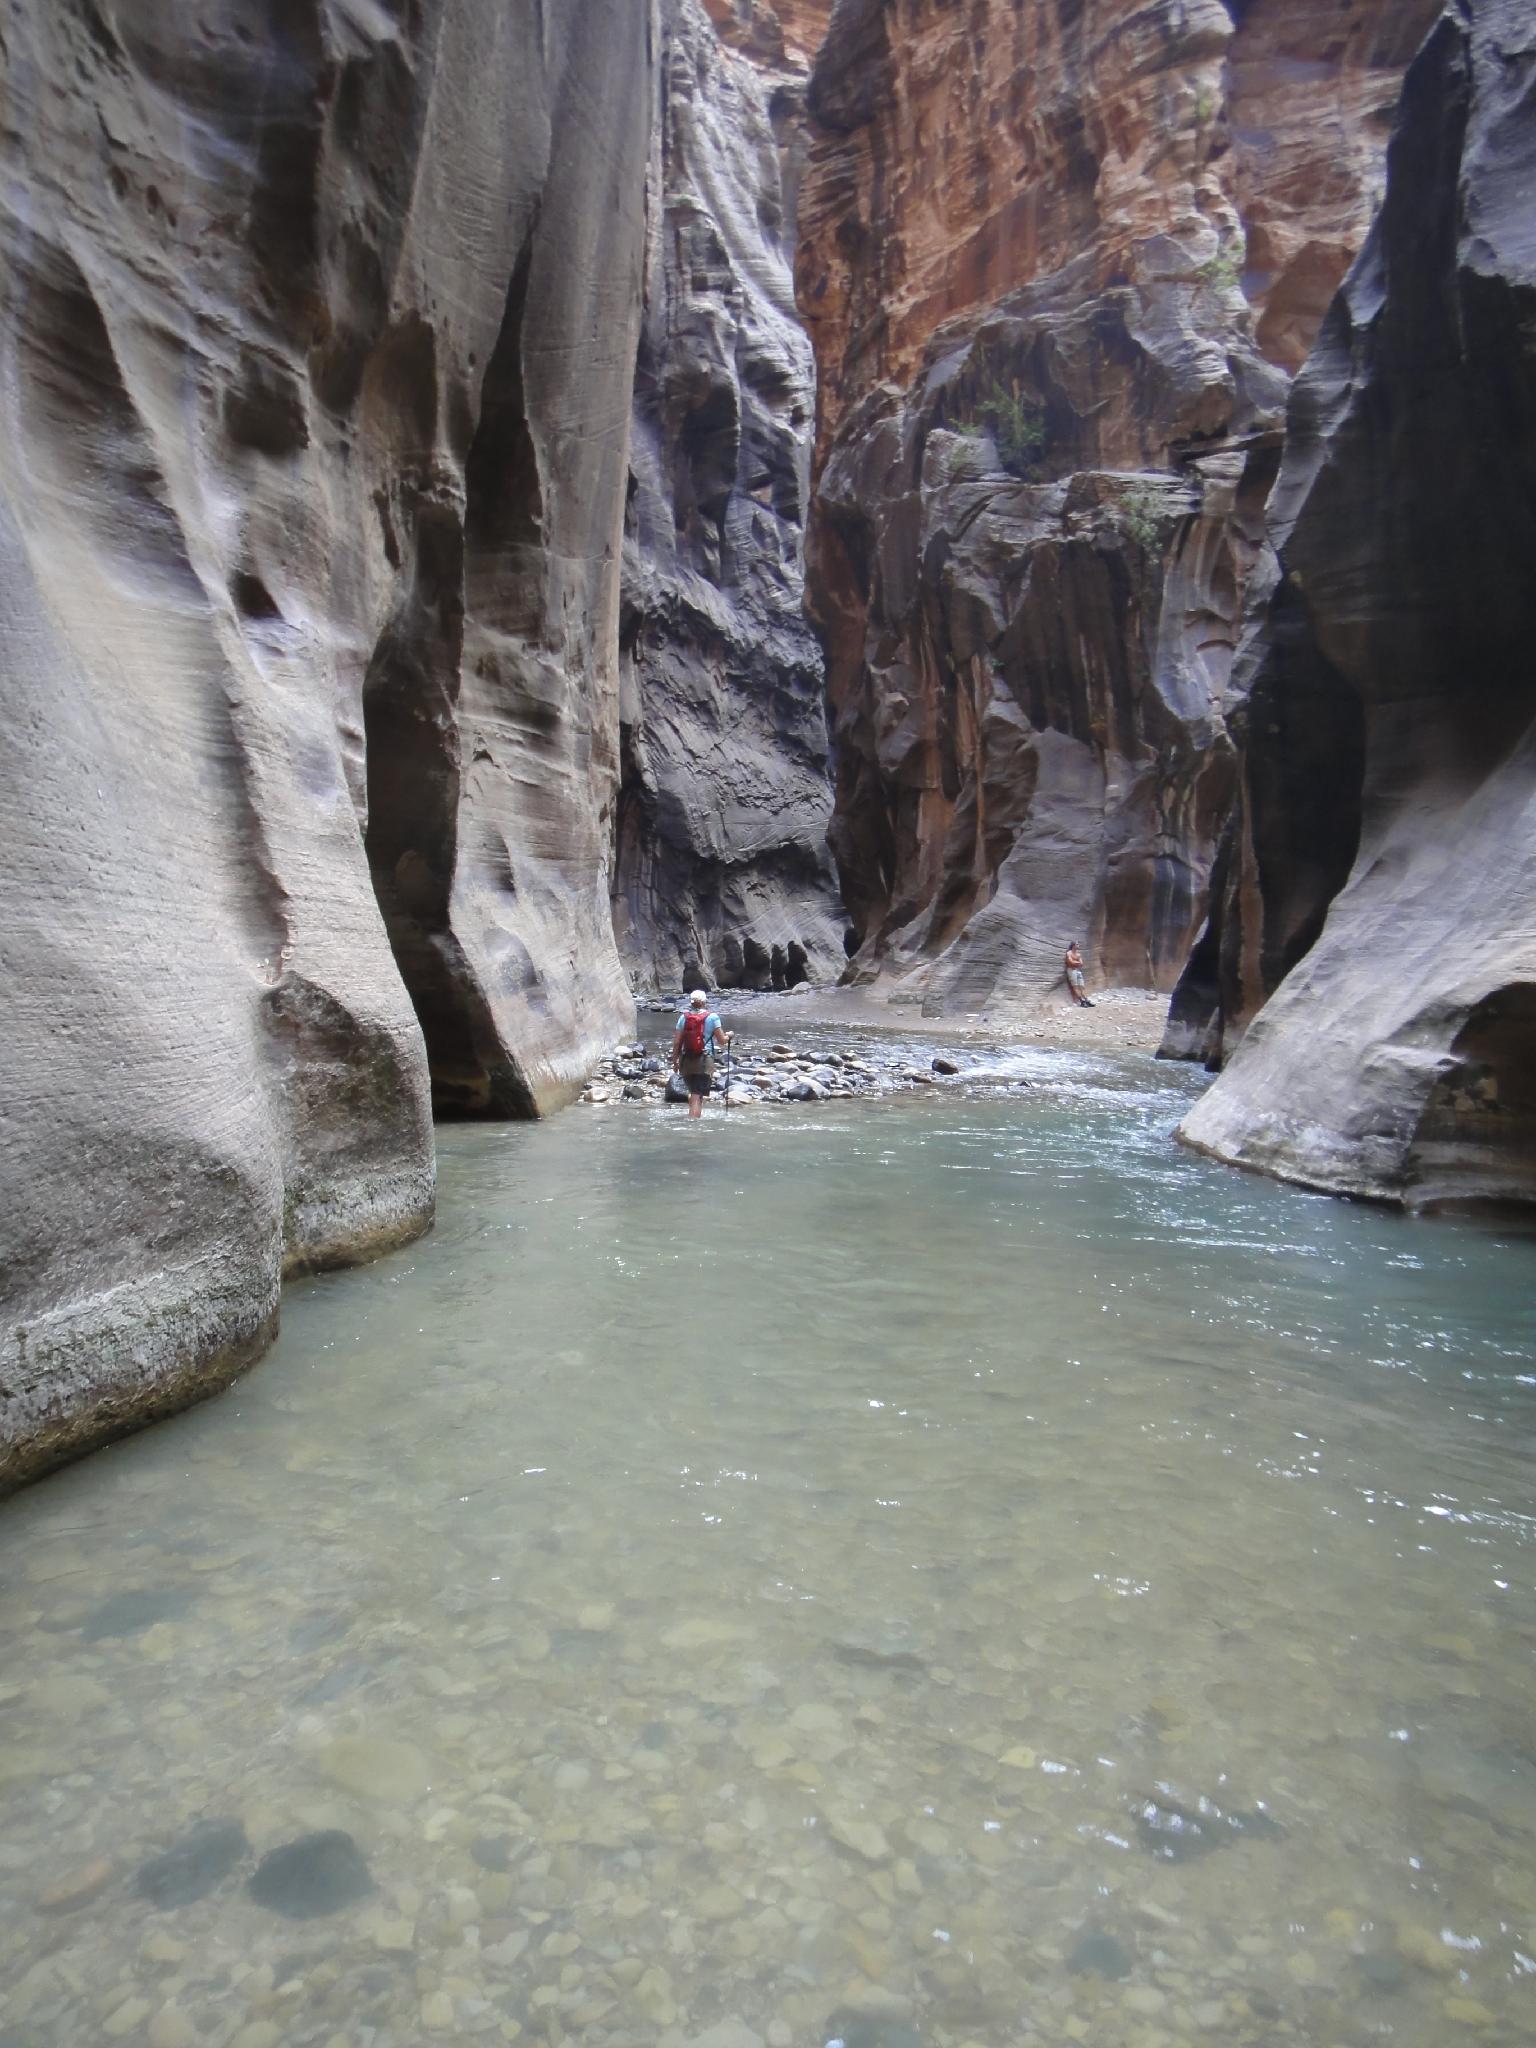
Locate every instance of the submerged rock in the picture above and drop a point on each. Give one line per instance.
(492, 1852)
(130, 1614)
(1097, 1954)
(1175, 1833)
(78, 1888)
(377, 1767)
(192, 1867)
(312, 1876)
(870, 2030)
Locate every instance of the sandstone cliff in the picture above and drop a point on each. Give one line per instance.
(319, 326)
(1049, 427)
(725, 799)
(1382, 862)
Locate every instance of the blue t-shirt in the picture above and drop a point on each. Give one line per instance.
(711, 1026)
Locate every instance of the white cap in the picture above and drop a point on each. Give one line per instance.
(698, 997)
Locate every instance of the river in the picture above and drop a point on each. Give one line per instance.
(954, 1569)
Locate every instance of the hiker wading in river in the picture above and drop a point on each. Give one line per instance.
(699, 1032)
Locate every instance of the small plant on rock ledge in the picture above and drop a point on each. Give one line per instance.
(1017, 425)
(1140, 516)
(1224, 271)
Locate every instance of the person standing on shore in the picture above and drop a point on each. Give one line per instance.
(698, 1034)
(1075, 978)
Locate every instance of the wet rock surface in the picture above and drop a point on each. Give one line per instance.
(1178, 1832)
(312, 1877)
(822, 1064)
(1367, 972)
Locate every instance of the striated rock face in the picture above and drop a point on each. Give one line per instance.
(774, 32)
(1312, 88)
(1382, 865)
(1048, 432)
(725, 802)
(318, 324)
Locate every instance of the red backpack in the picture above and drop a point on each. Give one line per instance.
(694, 1032)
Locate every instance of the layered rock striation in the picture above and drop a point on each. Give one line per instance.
(319, 327)
(1378, 877)
(1048, 429)
(722, 871)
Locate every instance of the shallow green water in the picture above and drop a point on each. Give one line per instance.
(757, 1573)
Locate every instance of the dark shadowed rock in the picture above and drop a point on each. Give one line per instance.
(726, 796)
(312, 1876)
(1381, 864)
(492, 1852)
(1177, 1833)
(192, 1867)
(1097, 1954)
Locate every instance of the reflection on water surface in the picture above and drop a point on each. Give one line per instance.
(958, 1570)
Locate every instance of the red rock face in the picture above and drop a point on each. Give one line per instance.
(1311, 92)
(777, 32)
(1047, 427)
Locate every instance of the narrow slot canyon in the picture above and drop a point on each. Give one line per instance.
(768, 1124)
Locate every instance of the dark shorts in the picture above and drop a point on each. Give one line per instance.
(698, 1071)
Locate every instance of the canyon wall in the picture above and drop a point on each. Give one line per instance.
(1057, 263)
(1378, 876)
(319, 329)
(722, 870)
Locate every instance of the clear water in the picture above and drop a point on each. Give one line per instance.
(745, 1581)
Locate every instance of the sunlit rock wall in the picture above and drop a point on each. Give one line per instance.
(1048, 429)
(726, 795)
(1381, 873)
(318, 326)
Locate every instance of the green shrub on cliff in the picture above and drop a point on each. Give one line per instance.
(1224, 271)
(1141, 516)
(1016, 422)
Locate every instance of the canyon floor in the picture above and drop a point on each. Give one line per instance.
(1121, 1020)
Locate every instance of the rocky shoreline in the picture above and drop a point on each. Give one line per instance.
(836, 1044)
(640, 1074)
